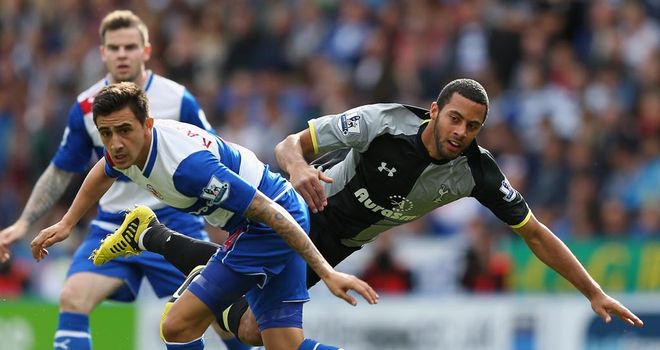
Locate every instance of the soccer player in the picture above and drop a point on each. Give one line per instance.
(388, 164)
(199, 173)
(125, 49)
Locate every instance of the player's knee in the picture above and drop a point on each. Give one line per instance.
(72, 300)
(170, 329)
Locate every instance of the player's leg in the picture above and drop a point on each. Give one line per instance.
(142, 231)
(208, 294)
(81, 293)
(141, 228)
(85, 287)
(227, 338)
(279, 309)
(240, 320)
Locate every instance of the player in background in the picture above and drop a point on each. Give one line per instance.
(125, 49)
(197, 172)
(388, 164)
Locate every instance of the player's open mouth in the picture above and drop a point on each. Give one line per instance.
(454, 146)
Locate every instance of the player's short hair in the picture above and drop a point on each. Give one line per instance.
(115, 97)
(120, 19)
(467, 88)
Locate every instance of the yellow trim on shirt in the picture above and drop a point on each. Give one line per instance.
(521, 224)
(312, 132)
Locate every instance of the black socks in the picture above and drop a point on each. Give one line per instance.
(181, 251)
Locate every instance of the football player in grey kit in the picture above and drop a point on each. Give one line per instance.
(388, 164)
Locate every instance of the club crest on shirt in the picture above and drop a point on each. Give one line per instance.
(348, 124)
(444, 189)
(154, 192)
(216, 191)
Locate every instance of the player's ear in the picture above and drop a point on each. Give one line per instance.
(149, 123)
(102, 52)
(146, 53)
(434, 110)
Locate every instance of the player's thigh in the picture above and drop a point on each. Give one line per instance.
(82, 291)
(282, 338)
(248, 331)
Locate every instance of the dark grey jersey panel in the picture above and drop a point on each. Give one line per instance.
(387, 177)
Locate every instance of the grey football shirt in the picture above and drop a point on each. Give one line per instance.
(384, 176)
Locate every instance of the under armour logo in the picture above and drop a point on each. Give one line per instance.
(390, 172)
(63, 344)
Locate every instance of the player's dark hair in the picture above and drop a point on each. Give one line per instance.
(467, 88)
(120, 19)
(115, 97)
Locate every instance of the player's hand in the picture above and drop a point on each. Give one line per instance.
(10, 235)
(47, 237)
(340, 283)
(307, 181)
(605, 306)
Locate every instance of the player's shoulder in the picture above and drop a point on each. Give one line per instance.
(392, 117)
(86, 98)
(158, 84)
(482, 163)
(477, 153)
(174, 129)
(395, 110)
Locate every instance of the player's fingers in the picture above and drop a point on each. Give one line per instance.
(316, 196)
(325, 178)
(36, 252)
(603, 314)
(368, 293)
(43, 252)
(309, 200)
(37, 244)
(629, 317)
(319, 197)
(349, 299)
(52, 240)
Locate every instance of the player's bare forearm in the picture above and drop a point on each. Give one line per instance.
(554, 253)
(291, 151)
(95, 185)
(264, 210)
(48, 189)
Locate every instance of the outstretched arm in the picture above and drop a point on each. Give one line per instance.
(554, 253)
(264, 210)
(290, 154)
(95, 185)
(46, 192)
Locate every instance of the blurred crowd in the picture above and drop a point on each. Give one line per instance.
(574, 88)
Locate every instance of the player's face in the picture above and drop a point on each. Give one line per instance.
(453, 128)
(126, 140)
(124, 55)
